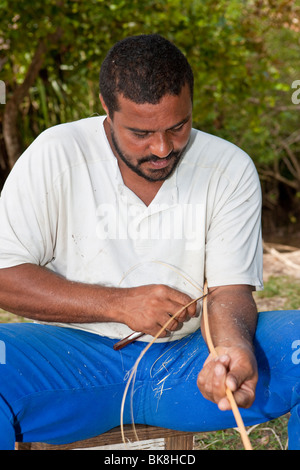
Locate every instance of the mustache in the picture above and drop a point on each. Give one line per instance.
(154, 158)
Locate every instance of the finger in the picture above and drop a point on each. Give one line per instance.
(243, 399)
(158, 330)
(232, 382)
(236, 377)
(180, 300)
(170, 324)
(181, 312)
(175, 310)
(192, 310)
(245, 395)
(218, 384)
(224, 404)
(211, 381)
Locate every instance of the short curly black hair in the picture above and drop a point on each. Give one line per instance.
(143, 68)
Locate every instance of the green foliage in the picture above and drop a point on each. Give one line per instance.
(232, 51)
(245, 56)
(284, 287)
(267, 436)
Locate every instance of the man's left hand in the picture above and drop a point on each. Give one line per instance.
(235, 367)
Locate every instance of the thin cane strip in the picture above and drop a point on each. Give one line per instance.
(229, 394)
(134, 369)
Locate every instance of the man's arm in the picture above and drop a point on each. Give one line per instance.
(232, 317)
(37, 293)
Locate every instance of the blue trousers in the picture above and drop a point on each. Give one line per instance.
(60, 385)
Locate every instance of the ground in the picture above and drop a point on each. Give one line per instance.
(281, 262)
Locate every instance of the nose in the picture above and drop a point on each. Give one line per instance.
(161, 145)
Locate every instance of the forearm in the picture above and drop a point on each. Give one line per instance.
(39, 294)
(232, 316)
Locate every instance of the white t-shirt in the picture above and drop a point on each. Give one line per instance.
(65, 206)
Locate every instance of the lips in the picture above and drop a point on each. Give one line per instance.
(161, 163)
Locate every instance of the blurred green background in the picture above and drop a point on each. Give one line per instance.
(245, 56)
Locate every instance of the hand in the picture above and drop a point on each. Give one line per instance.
(148, 308)
(235, 368)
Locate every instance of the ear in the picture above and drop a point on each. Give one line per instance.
(103, 105)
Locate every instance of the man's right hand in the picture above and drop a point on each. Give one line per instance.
(148, 308)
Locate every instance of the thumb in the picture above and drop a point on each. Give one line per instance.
(242, 388)
(233, 381)
(236, 376)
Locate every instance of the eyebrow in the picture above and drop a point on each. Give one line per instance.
(134, 129)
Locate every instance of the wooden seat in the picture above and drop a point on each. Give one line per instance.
(173, 440)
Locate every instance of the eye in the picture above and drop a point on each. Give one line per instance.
(178, 128)
(141, 135)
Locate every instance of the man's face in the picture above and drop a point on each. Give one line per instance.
(150, 139)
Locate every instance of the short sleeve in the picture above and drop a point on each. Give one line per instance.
(27, 221)
(233, 240)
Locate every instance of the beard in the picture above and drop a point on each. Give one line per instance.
(152, 174)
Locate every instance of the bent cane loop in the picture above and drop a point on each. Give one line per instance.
(234, 407)
(134, 369)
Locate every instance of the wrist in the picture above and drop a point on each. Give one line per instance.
(229, 343)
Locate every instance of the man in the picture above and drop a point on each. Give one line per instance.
(111, 224)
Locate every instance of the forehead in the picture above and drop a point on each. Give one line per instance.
(168, 112)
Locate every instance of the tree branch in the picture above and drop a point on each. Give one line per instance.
(11, 112)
